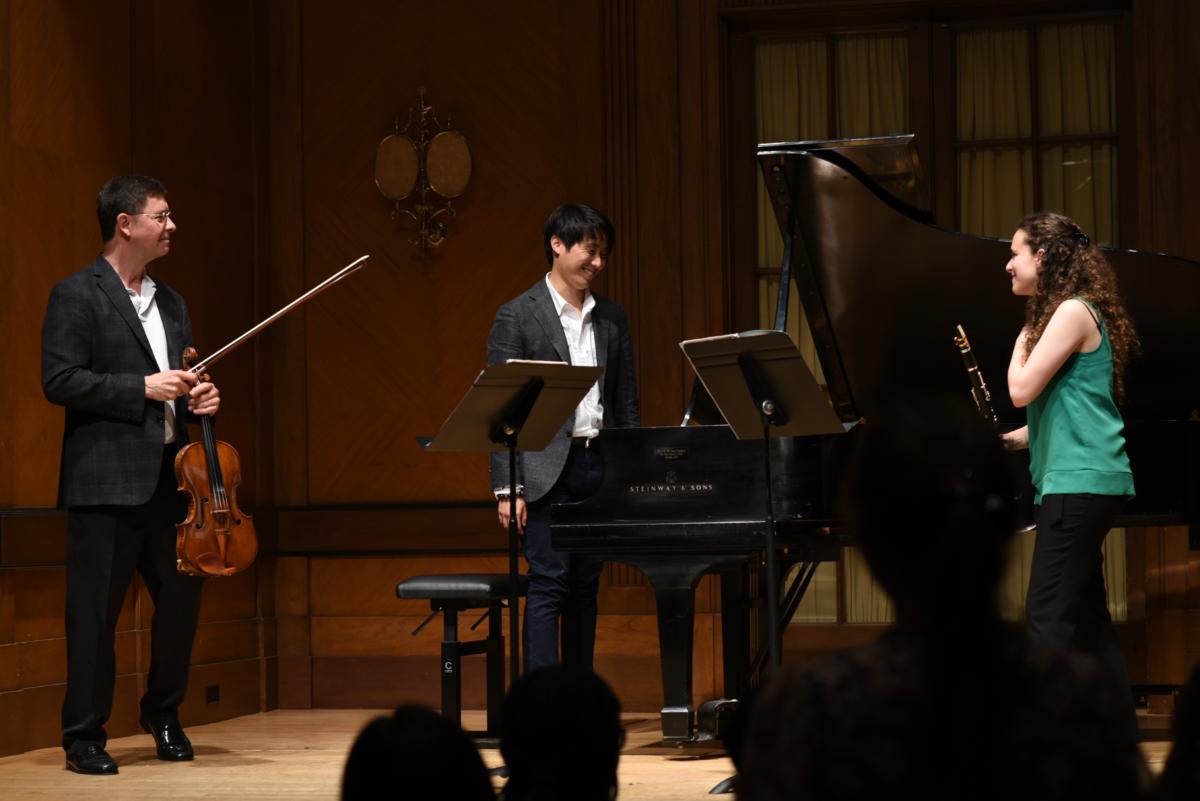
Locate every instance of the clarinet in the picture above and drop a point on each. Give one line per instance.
(979, 390)
(983, 402)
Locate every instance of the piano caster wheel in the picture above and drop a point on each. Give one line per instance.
(712, 719)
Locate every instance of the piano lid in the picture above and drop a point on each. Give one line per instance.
(883, 287)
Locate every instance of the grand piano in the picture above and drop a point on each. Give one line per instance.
(882, 288)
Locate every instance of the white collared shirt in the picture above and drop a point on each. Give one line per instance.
(147, 311)
(581, 339)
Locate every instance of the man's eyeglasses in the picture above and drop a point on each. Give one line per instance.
(160, 217)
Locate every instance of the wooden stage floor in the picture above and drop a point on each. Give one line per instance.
(298, 754)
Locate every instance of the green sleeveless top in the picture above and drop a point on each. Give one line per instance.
(1076, 435)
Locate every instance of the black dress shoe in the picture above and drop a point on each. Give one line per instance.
(92, 759)
(170, 741)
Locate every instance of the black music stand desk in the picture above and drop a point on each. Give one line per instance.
(516, 404)
(760, 383)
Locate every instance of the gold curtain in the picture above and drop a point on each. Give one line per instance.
(872, 85)
(995, 186)
(1016, 576)
(1076, 85)
(792, 102)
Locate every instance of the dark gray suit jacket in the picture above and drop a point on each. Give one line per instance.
(528, 328)
(95, 357)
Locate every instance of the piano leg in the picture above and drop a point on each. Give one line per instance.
(735, 629)
(674, 583)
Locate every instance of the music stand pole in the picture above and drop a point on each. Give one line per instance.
(771, 413)
(506, 430)
(760, 384)
(516, 400)
(514, 566)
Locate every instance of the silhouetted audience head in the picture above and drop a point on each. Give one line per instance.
(930, 498)
(561, 737)
(951, 702)
(416, 753)
(1180, 778)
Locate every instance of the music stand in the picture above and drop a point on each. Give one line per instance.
(521, 399)
(759, 381)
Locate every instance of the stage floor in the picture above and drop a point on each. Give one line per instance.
(298, 754)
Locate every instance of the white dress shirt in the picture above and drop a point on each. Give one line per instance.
(147, 312)
(581, 339)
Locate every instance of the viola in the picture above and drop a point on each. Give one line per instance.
(216, 538)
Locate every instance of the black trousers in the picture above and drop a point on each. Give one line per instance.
(561, 586)
(1067, 604)
(104, 546)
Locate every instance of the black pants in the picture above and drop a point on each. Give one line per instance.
(1067, 605)
(561, 586)
(104, 545)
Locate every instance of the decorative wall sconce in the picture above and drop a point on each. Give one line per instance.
(431, 159)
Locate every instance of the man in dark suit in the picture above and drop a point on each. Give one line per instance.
(112, 345)
(560, 319)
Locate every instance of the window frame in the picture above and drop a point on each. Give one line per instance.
(932, 90)
(1120, 139)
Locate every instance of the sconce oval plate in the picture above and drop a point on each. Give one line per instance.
(448, 164)
(396, 166)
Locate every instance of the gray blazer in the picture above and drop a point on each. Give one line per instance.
(527, 327)
(95, 356)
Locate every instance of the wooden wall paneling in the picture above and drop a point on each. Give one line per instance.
(10, 667)
(230, 598)
(8, 606)
(284, 371)
(741, 181)
(67, 130)
(661, 271)
(1135, 642)
(193, 102)
(267, 634)
(1128, 214)
(45, 661)
(921, 113)
(579, 114)
(226, 641)
(14, 739)
(427, 527)
(1168, 116)
(619, 157)
(702, 188)
(237, 683)
(1170, 594)
(379, 682)
(346, 673)
(293, 665)
(1167, 122)
(804, 642)
(367, 586)
(40, 603)
(944, 165)
(1155, 81)
(8, 277)
(33, 537)
(408, 336)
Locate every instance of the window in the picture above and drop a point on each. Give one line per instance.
(1036, 119)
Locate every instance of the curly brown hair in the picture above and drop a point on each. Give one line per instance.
(1073, 267)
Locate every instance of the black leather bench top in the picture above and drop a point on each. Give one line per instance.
(459, 587)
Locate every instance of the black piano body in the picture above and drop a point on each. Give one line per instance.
(677, 503)
(882, 289)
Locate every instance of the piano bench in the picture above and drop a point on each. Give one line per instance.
(457, 592)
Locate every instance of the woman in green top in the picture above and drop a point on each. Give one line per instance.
(1067, 370)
